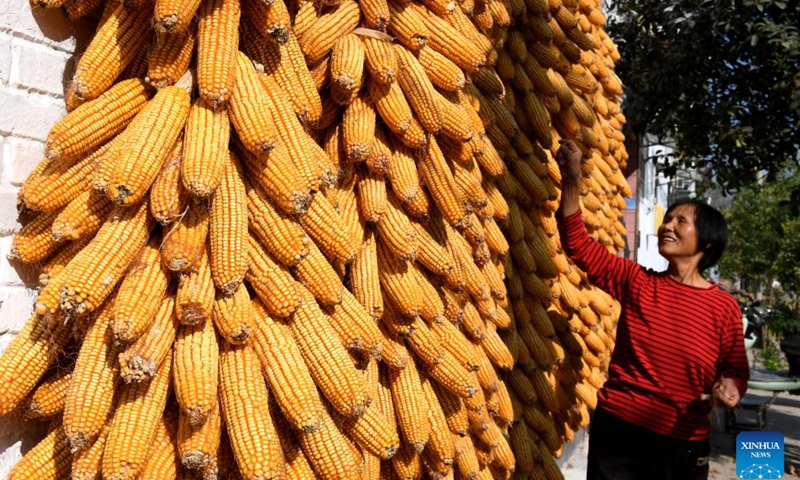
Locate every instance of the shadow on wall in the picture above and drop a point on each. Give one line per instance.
(15, 430)
(54, 25)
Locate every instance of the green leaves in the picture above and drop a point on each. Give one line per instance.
(764, 232)
(719, 78)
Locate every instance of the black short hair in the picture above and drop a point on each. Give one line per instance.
(712, 231)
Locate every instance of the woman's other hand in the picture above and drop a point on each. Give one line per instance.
(725, 393)
(569, 159)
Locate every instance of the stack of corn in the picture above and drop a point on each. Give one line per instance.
(302, 239)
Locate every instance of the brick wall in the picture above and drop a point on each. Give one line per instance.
(36, 58)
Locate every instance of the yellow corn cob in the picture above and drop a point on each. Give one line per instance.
(278, 176)
(443, 73)
(329, 452)
(35, 241)
(444, 38)
(54, 184)
(440, 449)
(95, 271)
(184, 243)
(394, 355)
(232, 315)
(82, 217)
(347, 68)
(407, 462)
(217, 46)
(391, 104)
(49, 459)
(174, 16)
(89, 402)
(78, 8)
(149, 140)
(496, 350)
(356, 329)
(455, 120)
(304, 18)
(472, 323)
(195, 296)
(137, 68)
(419, 90)
(206, 148)
(245, 408)
(198, 444)
(411, 406)
(465, 459)
(318, 40)
(271, 281)
(168, 197)
(113, 47)
(376, 14)
(414, 137)
(358, 128)
(373, 432)
(439, 179)
(397, 279)
(490, 83)
(330, 366)
(86, 463)
(380, 59)
(286, 372)
(372, 195)
(453, 409)
(140, 361)
(47, 400)
(162, 458)
(380, 153)
(419, 338)
(272, 17)
(432, 254)
(228, 229)
(460, 250)
(170, 57)
(195, 371)
(35, 177)
(297, 465)
(291, 134)
(330, 112)
(328, 230)
(482, 16)
(407, 25)
(521, 386)
(139, 295)
(450, 374)
(316, 274)
(282, 236)
(292, 75)
(495, 239)
(135, 423)
(250, 109)
(402, 173)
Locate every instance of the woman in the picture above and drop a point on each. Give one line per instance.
(679, 342)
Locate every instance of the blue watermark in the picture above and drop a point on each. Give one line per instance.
(759, 455)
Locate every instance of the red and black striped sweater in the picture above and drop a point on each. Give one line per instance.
(673, 341)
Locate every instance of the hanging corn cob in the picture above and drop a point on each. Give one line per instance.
(367, 221)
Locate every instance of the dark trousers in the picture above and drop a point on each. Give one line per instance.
(619, 450)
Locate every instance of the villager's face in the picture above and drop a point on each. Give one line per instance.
(677, 235)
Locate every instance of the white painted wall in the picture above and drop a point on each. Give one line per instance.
(36, 58)
(653, 199)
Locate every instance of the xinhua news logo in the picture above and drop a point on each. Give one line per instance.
(759, 455)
